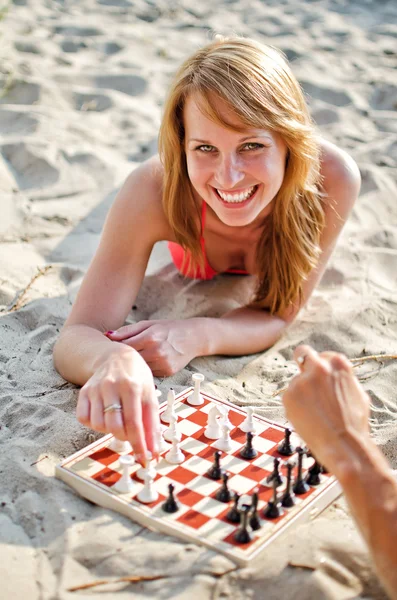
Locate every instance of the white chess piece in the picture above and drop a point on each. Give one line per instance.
(225, 442)
(170, 410)
(148, 494)
(196, 399)
(172, 432)
(213, 430)
(150, 468)
(125, 484)
(248, 423)
(119, 446)
(175, 456)
(225, 416)
(162, 444)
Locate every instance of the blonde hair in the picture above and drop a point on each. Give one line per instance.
(256, 81)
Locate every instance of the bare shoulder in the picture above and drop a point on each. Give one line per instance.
(341, 176)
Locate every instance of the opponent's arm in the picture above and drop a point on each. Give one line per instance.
(330, 410)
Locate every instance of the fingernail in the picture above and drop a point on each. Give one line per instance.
(140, 458)
(108, 332)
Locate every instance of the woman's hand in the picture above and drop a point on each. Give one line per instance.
(123, 379)
(326, 404)
(166, 346)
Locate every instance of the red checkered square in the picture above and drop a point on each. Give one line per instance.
(104, 456)
(255, 473)
(107, 476)
(182, 475)
(189, 497)
(199, 418)
(272, 434)
(236, 418)
(231, 540)
(193, 519)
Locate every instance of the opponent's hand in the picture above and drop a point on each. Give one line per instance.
(123, 379)
(325, 402)
(166, 346)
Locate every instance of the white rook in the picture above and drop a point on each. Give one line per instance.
(196, 399)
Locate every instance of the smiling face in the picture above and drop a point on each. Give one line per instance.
(238, 173)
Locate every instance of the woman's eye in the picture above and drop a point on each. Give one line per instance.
(205, 148)
(252, 146)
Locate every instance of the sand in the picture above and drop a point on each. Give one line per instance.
(82, 85)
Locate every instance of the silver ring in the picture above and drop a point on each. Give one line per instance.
(113, 408)
(301, 360)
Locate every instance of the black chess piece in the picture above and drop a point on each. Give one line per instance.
(288, 498)
(249, 452)
(275, 475)
(233, 515)
(215, 471)
(243, 535)
(285, 447)
(313, 475)
(224, 494)
(300, 485)
(273, 508)
(254, 517)
(170, 505)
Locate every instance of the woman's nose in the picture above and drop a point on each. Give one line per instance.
(229, 172)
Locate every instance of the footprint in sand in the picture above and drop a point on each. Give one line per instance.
(91, 102)
(115, 3)
(326, 116)
(84, 32)
(28, 47)
(384, 97)
(29, 169)
(13, 122)
(132, 85)
(19, 92)
(327, 94)
(109, 48)
(73, 46)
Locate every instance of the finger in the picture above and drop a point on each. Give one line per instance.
(83, 408)
(305, 355)
(114, 422)
(151, 423)
(131, 398)
(128, 331)
(338, 361)
(97, 417)
(137, 342)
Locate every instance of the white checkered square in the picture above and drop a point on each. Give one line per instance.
(188, 427)
(184, 411)
(162, 484)
(216, 530)
(260, 427)
(241, 484)
(197, 465)
(264, 462)
(193, 446)
(234, 445)
(262, 444)
(210, 507)
(203, 486)
(164, 467)
(233, 463)
(87, 467)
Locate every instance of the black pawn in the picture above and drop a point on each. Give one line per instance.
(170, 505)
(288, 498)
(242, 535)
(273, 508)
(224, 494)
(313, 475)
(215, 471)
(300, 485)
(254, 517)
(233, 515)
(275, 475)
(249, 451)
(285, 448)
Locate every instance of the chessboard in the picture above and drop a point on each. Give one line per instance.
(239, 514)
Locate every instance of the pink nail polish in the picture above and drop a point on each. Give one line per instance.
(108, 332)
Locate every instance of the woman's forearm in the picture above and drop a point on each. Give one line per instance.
(80, 350)
(241, 331)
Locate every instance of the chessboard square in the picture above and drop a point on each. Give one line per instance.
(230, 539)
(160, 499)
(187, 427)
(275, 435)
(207, 453)
(253, 472)
(159, 513)
(107, 477)
(241, 485)
(192, 445)
(86, 467)
(205, 408)
(193, 519)
(232, 463)
(198, 417)
(263, 444)
(182, 475)
(216, 529)
(203, 485)
(198, 465)
(163, 483)
(163, 467)
(189, 497)
(236, 418)
(104, 456)
(184, 411)
(239, 436)
(210, 506)
(235, 446)
(261, 428)
(265, 462)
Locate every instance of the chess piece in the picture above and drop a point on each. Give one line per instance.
(243, 535)
(288, 498)
(285, 447)
(224, 443)
(249, 452)
(170, 505)
(169, 412)
(313, 476)
(119, 446)
(196, 399)
(224, 420)
(248, 424)
(162, 444)
(148, 494)
(233, 515)
(254, 521)
(215, 471)
(224, 494)
(125, 484)
(273, 508)
(175, 456)
(150, 468)
(300, 485)
(172, 431)
(275, 474)
(213, 430)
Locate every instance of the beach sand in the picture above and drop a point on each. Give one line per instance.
(82, 85)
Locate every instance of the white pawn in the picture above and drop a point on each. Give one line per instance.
(248, 423)
(172, 432)
(170, 410)
(125, 485)
(225, 442)
(213, 430)
(141, 473)
(196, 399)
(148, 494)
(175, 456)
(119, 446)
(162, 444)
(225, 416)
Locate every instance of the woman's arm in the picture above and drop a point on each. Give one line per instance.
(330, 410)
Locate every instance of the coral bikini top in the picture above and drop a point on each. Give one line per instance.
(178, 254)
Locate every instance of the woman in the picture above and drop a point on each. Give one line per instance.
(242, 184)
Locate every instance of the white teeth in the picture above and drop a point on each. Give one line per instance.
(237, 197)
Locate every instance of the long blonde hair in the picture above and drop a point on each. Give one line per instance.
(256, 81)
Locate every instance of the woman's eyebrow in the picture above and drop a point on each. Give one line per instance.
(244, 139)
